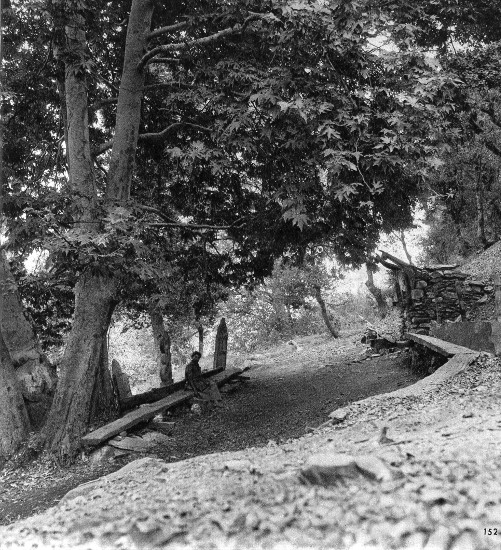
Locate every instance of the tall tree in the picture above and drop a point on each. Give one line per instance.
(278, 119)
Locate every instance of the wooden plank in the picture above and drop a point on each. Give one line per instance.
(158, 393)
(133, 418)
(142, 414)
(440, 346)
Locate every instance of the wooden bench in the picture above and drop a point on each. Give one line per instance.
(147, 412)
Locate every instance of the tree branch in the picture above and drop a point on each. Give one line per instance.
(202, 41)
(169, 28)
(96, 106)
(159, 136)
(493, 148)
(193, 226)
(492, 115)
(164, 60)
(152, 136)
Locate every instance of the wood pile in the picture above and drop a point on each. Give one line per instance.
(443, 295)
(435, 293)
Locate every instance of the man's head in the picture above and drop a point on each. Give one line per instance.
(196, 355)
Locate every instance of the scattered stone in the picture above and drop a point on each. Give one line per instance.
(196, 408)
(465, 541)
(374, 468)
(338, 416)
(81, 490)
(438, 540)
(468, 414)
(433, 496)
(102, 454)
(383, 438)
(238, 465)
(330, 469)
(130, 443)
(157, 438)
(415, 541)
(162, 427)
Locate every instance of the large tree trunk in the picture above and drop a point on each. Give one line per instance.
(36, 376)
(94, 294)
(14, 421)
(325, 314)
(81, 365)
(375, 291)
(130, 95)
(162, 347)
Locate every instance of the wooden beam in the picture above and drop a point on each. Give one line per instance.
(158, 393)
(440, 346)
(147, 412)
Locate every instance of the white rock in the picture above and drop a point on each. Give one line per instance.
(332, 468)
(329, 469)
(238, 465)
(465, 541)
(339, 415)
(374, 468)
(439, 540)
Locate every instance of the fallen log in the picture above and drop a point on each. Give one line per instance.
(147, 412)
(158, 393)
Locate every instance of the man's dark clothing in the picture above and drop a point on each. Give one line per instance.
(193, 376)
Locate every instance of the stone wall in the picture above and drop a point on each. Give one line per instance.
(439, 295)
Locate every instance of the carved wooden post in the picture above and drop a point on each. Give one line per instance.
(221, 345)
(497, 296)
(121, 381)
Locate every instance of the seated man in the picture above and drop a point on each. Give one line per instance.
(204, 389)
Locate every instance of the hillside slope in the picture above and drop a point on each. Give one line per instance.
(443, 490)
(485, 265)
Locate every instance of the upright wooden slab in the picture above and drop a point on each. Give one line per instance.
(221, 346)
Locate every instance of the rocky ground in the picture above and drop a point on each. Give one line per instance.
(416, 468)
(290, 391)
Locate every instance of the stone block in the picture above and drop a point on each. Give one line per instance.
(421, 284)
(476, 335)
(417, 294)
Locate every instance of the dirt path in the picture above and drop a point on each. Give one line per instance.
(290, 390)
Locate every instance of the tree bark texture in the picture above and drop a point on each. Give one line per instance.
(82, 180)
(375, 291)
(82, 364)
(130, 95)
(80, 367)
(14, 421)
(104, 400)
(162, 347)
(221, 346)
(36, 376)
(200, 329)
(325, 314)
